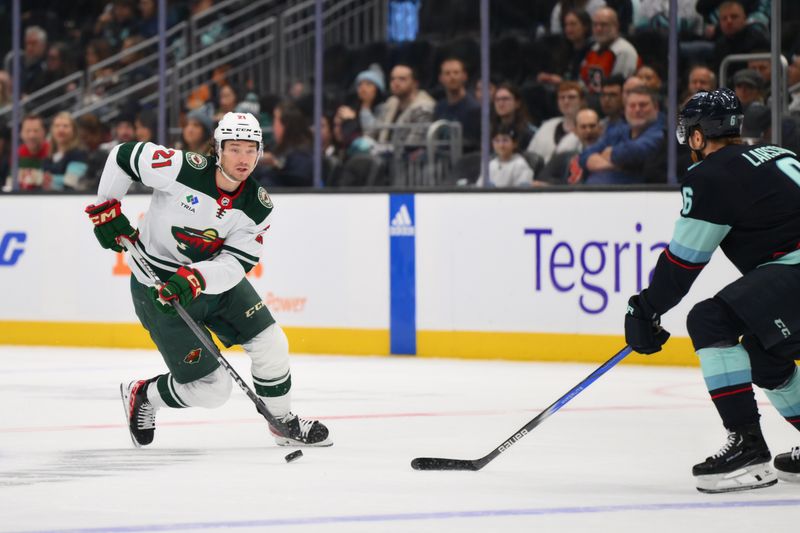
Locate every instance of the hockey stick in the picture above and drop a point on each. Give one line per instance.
(440, 463)
(202, 336)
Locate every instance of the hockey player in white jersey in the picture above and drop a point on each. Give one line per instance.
(202, 234)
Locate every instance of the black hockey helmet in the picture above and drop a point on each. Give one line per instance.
(716, 113)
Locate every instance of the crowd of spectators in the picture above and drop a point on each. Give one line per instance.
(579, 102)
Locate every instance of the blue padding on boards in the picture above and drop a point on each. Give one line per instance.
(402, 275)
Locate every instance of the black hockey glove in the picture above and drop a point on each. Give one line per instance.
(643, 331)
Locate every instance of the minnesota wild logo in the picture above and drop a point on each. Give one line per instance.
(197, 244)
(193, 356)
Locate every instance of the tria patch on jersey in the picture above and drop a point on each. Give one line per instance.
(193, 356)
(196, 160)
(197, 245)
(264, 198)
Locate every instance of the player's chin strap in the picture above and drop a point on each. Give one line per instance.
(227, 176)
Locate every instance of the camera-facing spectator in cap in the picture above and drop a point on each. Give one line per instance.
(749, 87)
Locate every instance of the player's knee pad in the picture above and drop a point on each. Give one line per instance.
(210, 391)
(711, 324)
(771, 368)
(269, 351)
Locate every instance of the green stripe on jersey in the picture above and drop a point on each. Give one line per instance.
(695, 240)
(136, 156)
(792, 258)
(124, 154)
(236, 252)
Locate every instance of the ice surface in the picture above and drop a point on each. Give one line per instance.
(617, 458)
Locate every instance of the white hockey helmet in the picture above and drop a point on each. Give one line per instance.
(238, 127)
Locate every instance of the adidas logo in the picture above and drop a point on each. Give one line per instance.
(402, 225)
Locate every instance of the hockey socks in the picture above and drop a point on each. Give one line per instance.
(728, 378)
(786, 399)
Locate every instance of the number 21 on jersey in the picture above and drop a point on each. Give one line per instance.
(162, 158)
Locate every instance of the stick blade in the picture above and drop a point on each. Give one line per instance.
(439, 463)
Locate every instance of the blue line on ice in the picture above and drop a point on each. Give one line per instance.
(443, 515)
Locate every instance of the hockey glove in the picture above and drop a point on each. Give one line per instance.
(110, 223)
(643, 331)
(182, 287)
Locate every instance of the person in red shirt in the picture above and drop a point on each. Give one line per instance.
(33, 151)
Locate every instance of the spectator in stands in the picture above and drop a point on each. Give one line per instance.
(633, 152)
(701, 78)
(508, 168)
(757, 12)
(5, 157)
(564, 168)
(32, 153)
(92, 134)
(290, 164)
(213, 32)
(458, 105)
(117, 22)
(654, 15)
(65, 167)
(509, 110)
(370, 87)
(764, 69)
(565, 61)
(196, 133)
(100, 78)
(633, 82)
(33, 60)
(58, 64)
(124, 131)
(562, 6)
(5, 89)
(611, 101)
(348, 135)
(736, 35)
(148, 18)
(749, 87)
(407, 105)
(146, 126)
(226, 101)
(651, 78)
(479, 89)
(556, 135)
(611, 54)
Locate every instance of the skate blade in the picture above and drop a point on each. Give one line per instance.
(126, 409)
(789, 477)
(284, 441)
(749, 477)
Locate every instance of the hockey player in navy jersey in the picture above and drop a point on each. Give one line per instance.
(201, 234)
(746, 201)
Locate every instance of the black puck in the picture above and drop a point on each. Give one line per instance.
(295, 455)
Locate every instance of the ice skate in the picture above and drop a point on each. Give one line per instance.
(788, 465)
(743, 463)
(141, 415)
(302, 432)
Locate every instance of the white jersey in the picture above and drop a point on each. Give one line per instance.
(190, 220)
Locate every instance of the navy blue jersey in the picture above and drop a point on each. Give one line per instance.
(743, 199)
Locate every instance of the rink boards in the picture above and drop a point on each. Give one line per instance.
(539, 276)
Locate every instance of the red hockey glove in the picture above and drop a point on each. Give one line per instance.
(182, 287)
(109, 223)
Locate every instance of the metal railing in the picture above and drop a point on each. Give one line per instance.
(421, 164)
(346, 22)
(742, 58)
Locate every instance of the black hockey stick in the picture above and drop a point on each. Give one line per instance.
(440, 463)
(202, 336)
